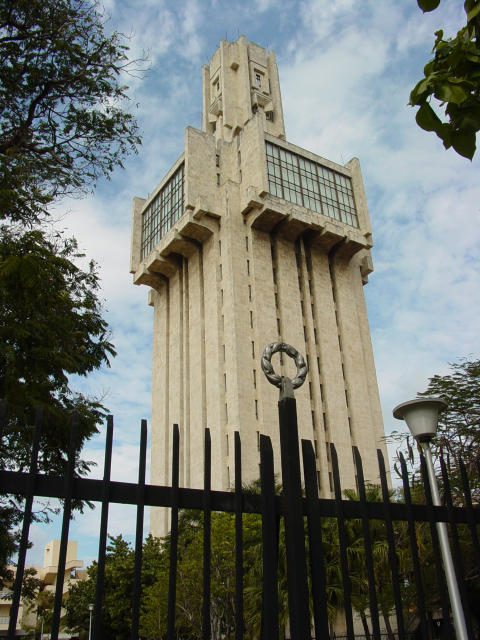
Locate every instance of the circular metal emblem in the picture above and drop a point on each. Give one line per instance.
(267, 367)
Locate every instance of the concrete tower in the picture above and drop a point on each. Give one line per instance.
(247, 240)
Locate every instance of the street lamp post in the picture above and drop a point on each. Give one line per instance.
(421, 416)
(90, 608)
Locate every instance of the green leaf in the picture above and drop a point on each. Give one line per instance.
(428, 68)
(438, 38)
(473, 13)
(464, 144)
(427, 119)
(445, 133)
(450, 92)
(419, 92)
(428, 5)
(472, 57)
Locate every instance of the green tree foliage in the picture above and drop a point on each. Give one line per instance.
(453, 78)
(62, 126)
(457, 438)
(458, 434)
(188, 616)
(62, 122)
(41, 602)
(8, 539)
(153, 621)
(50, 327)
(117, 605)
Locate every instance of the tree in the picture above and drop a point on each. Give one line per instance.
(117, 604)
(457, 439)
(453, 78)
(458, 434)
(189, 596)
(41, 603)
(62, 124)
(50, 327)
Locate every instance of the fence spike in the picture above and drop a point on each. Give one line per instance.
(137, 574)
(172, 575)
(102, 540)
(270, 541)
(207, 519)
(239, 622)
(67, 514)
(27, 519)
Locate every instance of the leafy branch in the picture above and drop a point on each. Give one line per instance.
(452, 77)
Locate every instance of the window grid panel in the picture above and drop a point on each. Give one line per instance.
(163, 212)
(311, 185)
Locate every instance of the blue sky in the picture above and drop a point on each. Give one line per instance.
(346, 70)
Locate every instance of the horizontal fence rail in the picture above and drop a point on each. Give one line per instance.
(298, 519)
(15, 482)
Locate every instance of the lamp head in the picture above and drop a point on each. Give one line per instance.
(90, 607)
(421, 416)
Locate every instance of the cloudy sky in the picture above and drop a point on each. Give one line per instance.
(346, 70)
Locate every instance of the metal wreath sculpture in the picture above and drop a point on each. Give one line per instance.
(267, 367)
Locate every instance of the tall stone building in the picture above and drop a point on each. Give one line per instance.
(247, 240)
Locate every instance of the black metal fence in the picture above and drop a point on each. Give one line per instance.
(304, 516)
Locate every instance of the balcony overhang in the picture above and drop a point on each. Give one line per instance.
(268, 213)
(216, 109)
(261, 99)
(49, 574)
(182, 240)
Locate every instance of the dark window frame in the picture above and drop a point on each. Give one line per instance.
(312, 185)
(164, 211)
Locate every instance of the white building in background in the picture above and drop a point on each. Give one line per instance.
(48, 573)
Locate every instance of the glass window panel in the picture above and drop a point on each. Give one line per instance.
(165, 210)
(302, 181)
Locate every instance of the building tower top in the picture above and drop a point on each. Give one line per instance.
(241, 81)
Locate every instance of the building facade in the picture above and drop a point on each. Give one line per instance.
(248, 240)
(28, 620)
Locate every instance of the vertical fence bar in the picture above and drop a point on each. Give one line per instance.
(3, 411)
(269, 629)
(102, 540)
(342, 538)
(239, 624)
(436, 550)
(207, 520)
(172, 575)
(27, 518)
(460, 570)
(467, 496)
(67, 513)
(414, 547)
(367, 542)
(293, 516)
(317, 565)
(137, 572)
(392, 555)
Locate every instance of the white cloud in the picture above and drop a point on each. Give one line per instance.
(192, 42)
(264, 5)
